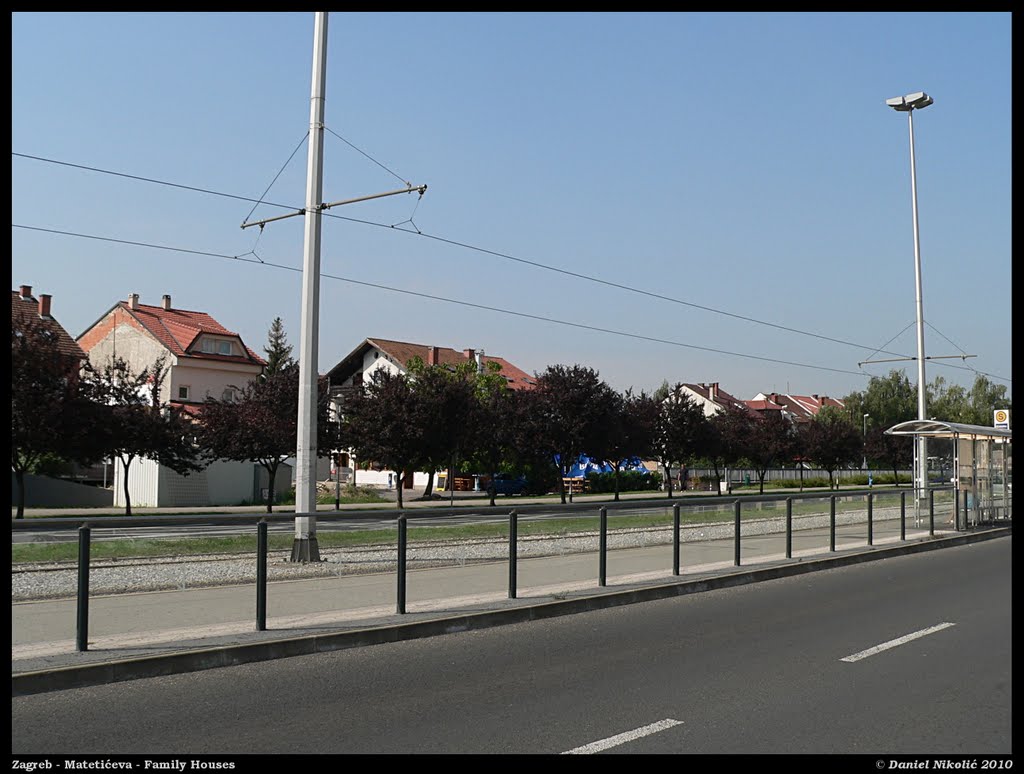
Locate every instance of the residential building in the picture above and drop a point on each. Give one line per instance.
(374, 354)
(204, 359)
(27, 310)
(712, 398)
(801, 408)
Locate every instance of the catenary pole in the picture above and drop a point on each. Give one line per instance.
(304, 547)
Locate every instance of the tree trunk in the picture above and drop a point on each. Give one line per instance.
(801, 477)
(127, 497)
(20, 476)
(616, 469)
(830, 487)
(430, 483)
(399, 480)
(561, 482)
(668, 479)
(761, 475)
(895, 476)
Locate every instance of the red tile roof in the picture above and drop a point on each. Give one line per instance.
(402, 352)
(26, 310)
(179, 331)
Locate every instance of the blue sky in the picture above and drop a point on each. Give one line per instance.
(743, 163)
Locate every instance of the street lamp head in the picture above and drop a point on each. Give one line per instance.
(914, 101)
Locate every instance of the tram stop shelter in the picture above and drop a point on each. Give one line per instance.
(982, 468)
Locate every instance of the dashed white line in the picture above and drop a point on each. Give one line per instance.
(628, 736)
(898, 641)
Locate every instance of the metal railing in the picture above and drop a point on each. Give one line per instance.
(262, 521)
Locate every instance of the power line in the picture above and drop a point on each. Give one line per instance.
(439, 298)
(507, 256)
(470, 247)
(289, 161)
(371, 158)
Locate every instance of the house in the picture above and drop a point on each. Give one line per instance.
(712, 398)
(763, 406)
(204, 359)
(26, 310)
(375, 354)
(801, 408)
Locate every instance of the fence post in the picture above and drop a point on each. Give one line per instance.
(736, 508)
(871, 523)
(789, 527)
(82, 623)
(931, 511)
(513, 528)
(903, 515)
(402, 532)
(603, 549)
(832, 523)
(261, 575)
(675, 538)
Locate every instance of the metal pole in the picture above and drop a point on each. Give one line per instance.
(603, 549)
(871, 524)
(832, 523)
(921, 407)
(903, 515)
(736, 508)
(261, 576)
(675, 538)
(401, 562)
(931, 511)
(513, 529)
(82, 623)
(337, 486)
(305, 547)
(789, 527)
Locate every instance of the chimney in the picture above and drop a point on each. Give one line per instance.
(44, 305)
(431, 356)
(468, 353)
(480, 361)
(712, 389)
(26, 292)
(133, 301)
(166, 301)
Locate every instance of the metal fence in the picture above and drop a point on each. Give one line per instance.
(788, 517)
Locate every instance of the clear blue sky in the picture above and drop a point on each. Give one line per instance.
(741, 162)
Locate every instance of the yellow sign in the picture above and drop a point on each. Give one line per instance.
(1002, 419)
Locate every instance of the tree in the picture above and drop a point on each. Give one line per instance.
(679, 429)
(137, 425)
(50, 412)
(632, 428)
(833, 441)
(771, 442)
(278, 350)
(261, 424)
(889, 400)
(727, 438)
(571, 414)
(376, 423)
(896, 451)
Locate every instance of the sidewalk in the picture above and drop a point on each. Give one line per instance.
(156, 633)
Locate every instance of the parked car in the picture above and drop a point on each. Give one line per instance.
(507, 484)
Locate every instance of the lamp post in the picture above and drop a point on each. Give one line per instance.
(864, 440)
(908, 105)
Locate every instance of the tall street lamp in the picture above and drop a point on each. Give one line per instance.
(908, 105)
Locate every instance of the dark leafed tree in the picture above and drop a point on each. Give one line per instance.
(833, 441)
(632, 424)
(278, 350)
(137, 425)
(261, 424)
(679, 431)
(571, 417)
(771, 443)
(376, 424)
(727, 437)
(49, 410)
(894, 451)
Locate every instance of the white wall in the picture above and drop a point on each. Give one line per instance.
(139, 349)
(371, 364)
(223, 482)
(209, 378)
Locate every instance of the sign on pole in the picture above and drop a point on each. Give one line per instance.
(1001, 419)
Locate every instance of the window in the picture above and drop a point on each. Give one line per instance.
(209, 345)
(183, 392)
(224, 347)
(228, 394)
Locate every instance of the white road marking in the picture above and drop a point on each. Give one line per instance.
(628, 736)
(897, 641)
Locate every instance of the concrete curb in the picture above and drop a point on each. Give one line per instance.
(61, 678)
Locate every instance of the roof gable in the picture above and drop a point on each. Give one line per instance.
(25, 311)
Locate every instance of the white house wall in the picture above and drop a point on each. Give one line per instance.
(382, 361)
(209, 378)
(223, 482)
(133, 346)
(143, 483)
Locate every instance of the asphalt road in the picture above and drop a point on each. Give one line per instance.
(754, 669)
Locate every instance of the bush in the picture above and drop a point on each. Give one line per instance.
(629, 481)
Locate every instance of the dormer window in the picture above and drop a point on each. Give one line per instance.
(216, 346)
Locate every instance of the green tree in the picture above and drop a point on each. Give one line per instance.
(680, 432)
(833, 441)
(278, 350)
